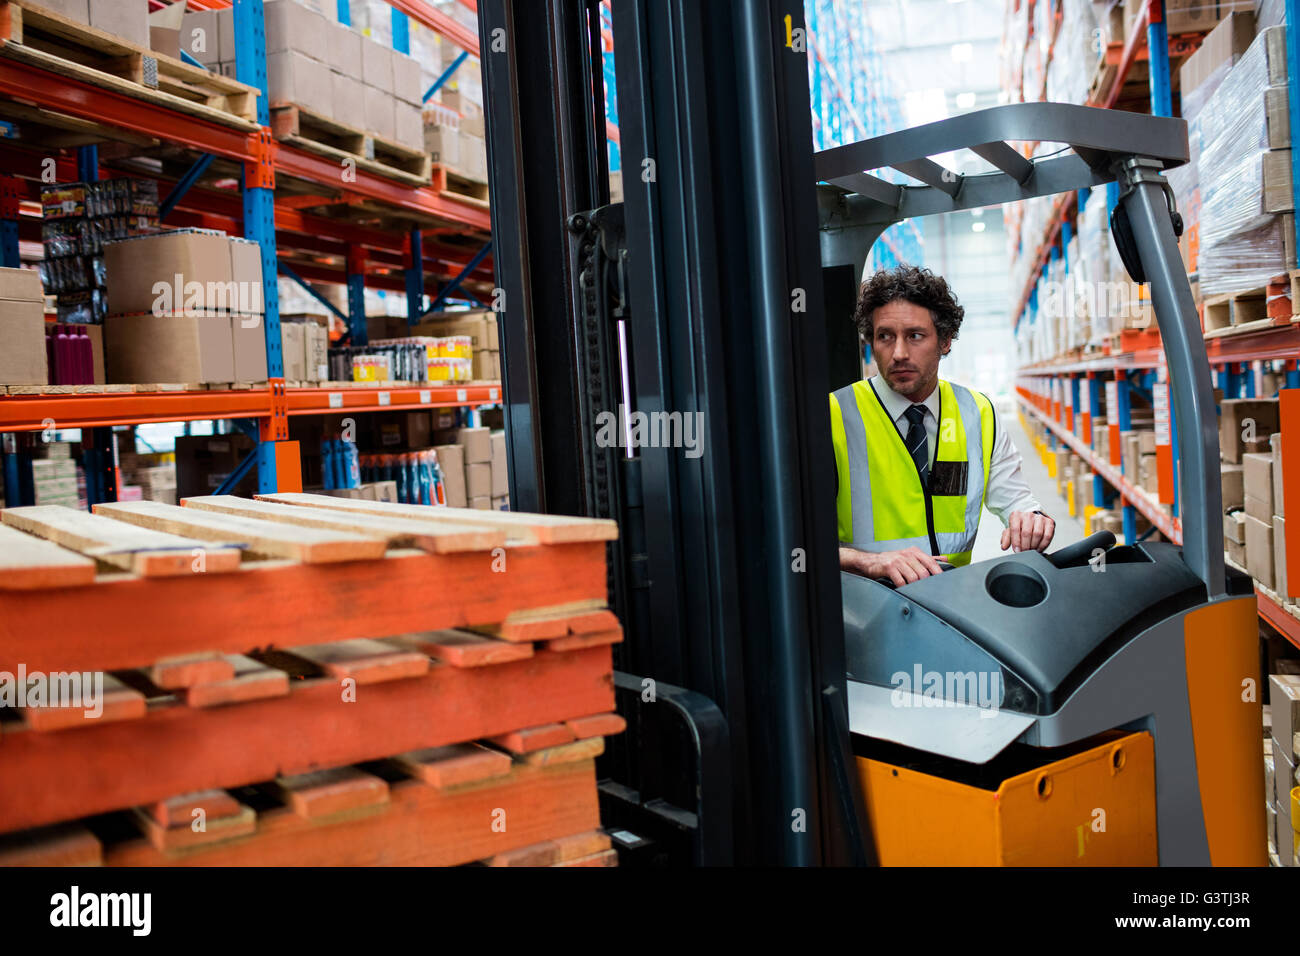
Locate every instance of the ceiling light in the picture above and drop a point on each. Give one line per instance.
(962, 52)
(977, 226)
(965, 101)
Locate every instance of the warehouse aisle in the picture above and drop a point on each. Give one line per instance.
(1068, 529)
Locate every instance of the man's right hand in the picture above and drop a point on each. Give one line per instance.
(901, 567)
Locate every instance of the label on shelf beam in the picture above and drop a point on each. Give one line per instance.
(493, 394)
(336, 399)
(425, 397)
(462, 395)
(1160, 401)
(385, 398)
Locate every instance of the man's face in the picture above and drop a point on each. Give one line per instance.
(907, 348)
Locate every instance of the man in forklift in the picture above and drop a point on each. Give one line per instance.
(917, 457)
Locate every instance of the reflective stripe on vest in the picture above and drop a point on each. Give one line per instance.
(881, 505)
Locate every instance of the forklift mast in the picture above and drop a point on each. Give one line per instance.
(697, 299)
(702, 296)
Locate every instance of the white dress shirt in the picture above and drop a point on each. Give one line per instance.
(1007, 490)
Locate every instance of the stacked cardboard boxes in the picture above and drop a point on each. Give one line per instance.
(304, 347)
(1284, 709)
(128, 19)
(184, 307)
(22, 329)
(54, 478)
(325, 67)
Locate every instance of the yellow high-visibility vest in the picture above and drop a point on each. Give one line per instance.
(880, 505)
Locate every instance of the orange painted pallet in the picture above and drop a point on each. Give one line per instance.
(124, 621)
(405, 822)
(52, 776)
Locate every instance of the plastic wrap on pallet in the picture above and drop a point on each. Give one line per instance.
(1074, 55)
(1241, 243)
(1269, 13)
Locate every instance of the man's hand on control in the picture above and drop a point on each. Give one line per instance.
(1028, 531)
(901, 567)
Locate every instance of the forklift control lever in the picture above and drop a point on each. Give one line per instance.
(1079, 553)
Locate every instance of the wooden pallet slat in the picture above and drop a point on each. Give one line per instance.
(457, 765)
(177, 749)
(419, 826)
(306, 129)
(399, 532)
(528, 528)
(146, 552)
(191, 669)
(28, 562)
(463, 648)
(116, 702)
(196, 833)
(267, 538)
(250, 680)
(180, 810)
(62, 844)
(324, 793)
(364, 660)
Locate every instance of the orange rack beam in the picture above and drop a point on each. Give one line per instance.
(33, 412)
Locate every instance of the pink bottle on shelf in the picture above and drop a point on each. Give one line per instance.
(63, 356)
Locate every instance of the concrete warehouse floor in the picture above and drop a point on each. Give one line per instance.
(1068, 529)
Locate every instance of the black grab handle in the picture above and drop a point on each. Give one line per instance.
(1079, 552)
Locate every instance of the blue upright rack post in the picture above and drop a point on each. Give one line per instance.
(259, 215)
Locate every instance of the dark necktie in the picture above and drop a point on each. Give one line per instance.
(916, 444)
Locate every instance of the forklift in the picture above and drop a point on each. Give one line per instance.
(766, 724)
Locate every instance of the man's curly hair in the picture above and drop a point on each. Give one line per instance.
(918, 286)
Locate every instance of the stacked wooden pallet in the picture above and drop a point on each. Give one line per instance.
(304, 680)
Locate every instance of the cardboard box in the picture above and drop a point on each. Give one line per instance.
(381, 113)
(1259, 550)
(1234, 527)
(481, 504)
(169, 348)
(248, 333)
(1232, 480)
(22, 329)
(173, 262)
(349, 95)
(1279, 558)
(344, 45)
(1195, 16)
(293, 77)
(377, 65)
(406, 79)
(477, 443)
(78, 10)
(246, 273)
(451, 460)
(1275, 445)
(1257, 474)
(408, 125)
(316, 341)
(290, 26)
(293, 351)
(204, 461)
(165, 30)
(1284, 705)
(406, 430)
(128, 19)
(385, 491)
(443, 143)
(501, 504)
(478, 480)
(473, 156)
(1220, 48)
(1236, 553)
(201, 37)
(1235, 414)
(500, 469)
(1283, 779)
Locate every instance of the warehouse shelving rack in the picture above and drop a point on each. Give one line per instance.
(852, 100)
(1065, 394)
(283, 198)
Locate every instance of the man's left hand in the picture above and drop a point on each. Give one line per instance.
(1028, 531)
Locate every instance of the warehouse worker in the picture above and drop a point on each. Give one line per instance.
(917, 457)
